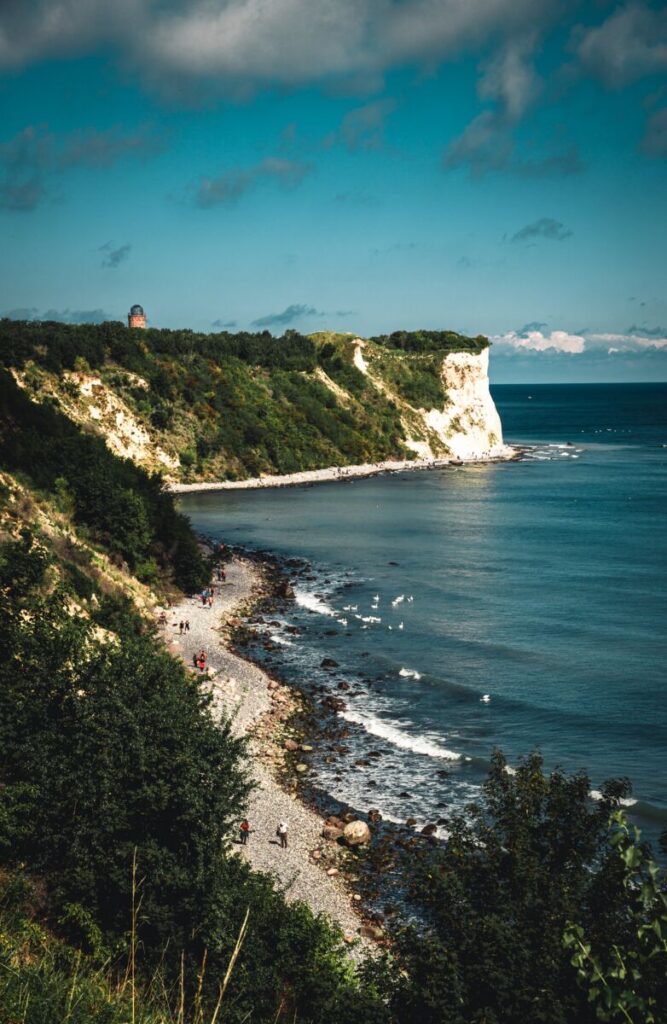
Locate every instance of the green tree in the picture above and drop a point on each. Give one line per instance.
(625, 977)
(534, 855)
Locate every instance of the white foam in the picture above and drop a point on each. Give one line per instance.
(308, 600)
(595, 794)
(281, 640)
(410, 673)
(370, 618)
(391, 731)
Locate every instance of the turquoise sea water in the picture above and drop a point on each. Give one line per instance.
(539, 585)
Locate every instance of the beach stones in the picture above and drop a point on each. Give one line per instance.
(332, 833)
(291, 745)
(328, 663)
(356, 833)
(301, 768)
(429, 830)
(371, 931)
(333, 703)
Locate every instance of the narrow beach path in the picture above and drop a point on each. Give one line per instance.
(240, 689)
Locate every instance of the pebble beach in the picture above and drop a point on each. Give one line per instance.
(311, 868)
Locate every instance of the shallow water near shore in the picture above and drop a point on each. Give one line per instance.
(517, 605)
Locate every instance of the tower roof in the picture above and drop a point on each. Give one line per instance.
(137, 310)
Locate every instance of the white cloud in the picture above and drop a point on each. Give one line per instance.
(536, 341)
(245, 44)
(629, 44)
(628, 342)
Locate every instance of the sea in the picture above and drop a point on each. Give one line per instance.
(518, 605)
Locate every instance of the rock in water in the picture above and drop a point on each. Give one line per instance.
(357, 833)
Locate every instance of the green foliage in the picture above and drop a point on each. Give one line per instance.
(127, 510)
(237, 405)
(109, 756)
(44, 980)
(531, 858)
(626, 977)
(416, 379)
(432, 341)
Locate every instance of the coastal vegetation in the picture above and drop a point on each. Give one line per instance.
(229, 406)
(541, 906)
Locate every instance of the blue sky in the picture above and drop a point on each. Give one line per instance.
(494, 167)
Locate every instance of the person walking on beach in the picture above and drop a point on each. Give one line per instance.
(187, 625)
(202, 660)
(181, 627)
(244, 831)
(281, 832)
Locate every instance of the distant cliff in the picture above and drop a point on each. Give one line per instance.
(197, 407)
(464, 424)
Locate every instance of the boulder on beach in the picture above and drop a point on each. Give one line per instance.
(332, 833)
(356, 833)
(328, 663)
(291, 745)
(429, 830)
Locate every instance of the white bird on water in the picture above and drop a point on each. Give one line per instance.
(486, 699)
(400, 625)
(398, 600)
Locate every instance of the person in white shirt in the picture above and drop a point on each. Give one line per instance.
(281, 832)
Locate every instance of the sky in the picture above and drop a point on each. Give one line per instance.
(487, 166)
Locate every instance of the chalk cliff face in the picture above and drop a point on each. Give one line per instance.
(469, 425)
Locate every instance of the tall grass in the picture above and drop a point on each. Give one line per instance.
(43, 980)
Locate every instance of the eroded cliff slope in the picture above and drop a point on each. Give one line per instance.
(198, 407)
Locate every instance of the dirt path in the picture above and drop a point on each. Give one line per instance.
(241, 690)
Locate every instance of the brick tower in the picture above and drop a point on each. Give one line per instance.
(136, 317)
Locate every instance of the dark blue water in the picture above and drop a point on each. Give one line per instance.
(538, 585)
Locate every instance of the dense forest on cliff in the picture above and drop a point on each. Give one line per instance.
(229, 406)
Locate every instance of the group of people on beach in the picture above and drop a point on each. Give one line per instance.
(199, 660)
(207, 596)
(184, 627)
(281, 832)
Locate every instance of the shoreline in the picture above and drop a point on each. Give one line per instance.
(312, 869)
(340, 473)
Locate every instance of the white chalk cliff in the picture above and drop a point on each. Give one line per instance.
(468, 426)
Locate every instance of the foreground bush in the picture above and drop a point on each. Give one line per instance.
(526, 871)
